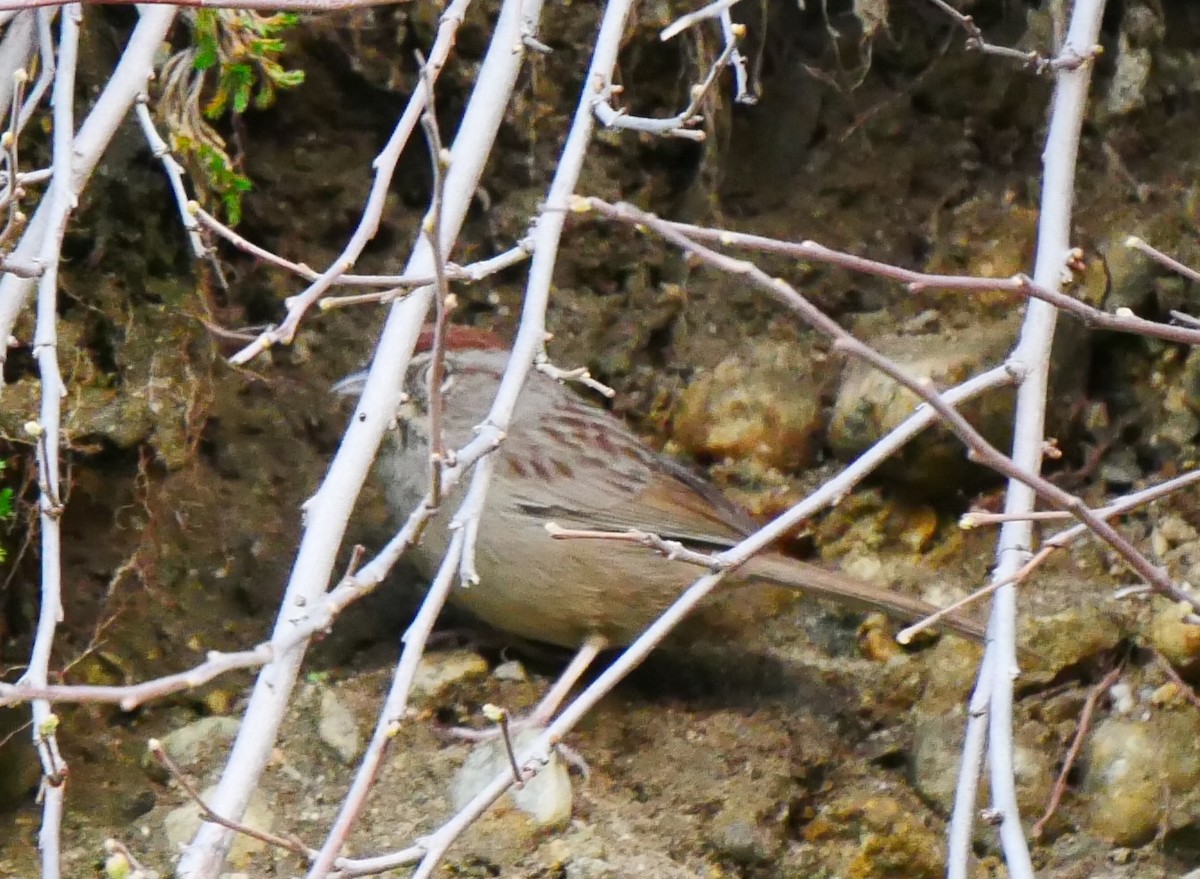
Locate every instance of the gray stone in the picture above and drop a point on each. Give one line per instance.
(546, 797)
(187, 743)
(338, 728)
(438, 671)
(181, 824)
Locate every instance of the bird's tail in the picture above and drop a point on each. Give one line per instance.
(845, 590)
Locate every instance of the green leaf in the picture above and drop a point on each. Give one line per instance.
(233, 207)
(288, 78)
(206, 54)
(241, 97)
(266, 46)
(206, 23)
(265, 97)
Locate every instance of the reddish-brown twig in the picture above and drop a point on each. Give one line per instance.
(1085, 723)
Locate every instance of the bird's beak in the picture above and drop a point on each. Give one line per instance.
(351, 386)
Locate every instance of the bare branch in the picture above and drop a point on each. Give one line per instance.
(328, 511)
(385, 166)
(1058, 541)
(61, 202)
(208, 814)
(127, 81)
(1161, 258)
(265, 5)
(981, 451)
(431, 227)
(1122, 320)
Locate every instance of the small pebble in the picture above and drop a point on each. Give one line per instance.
(589, 868)
(546, 798)
(1123, 701)
(1173, 635)
(338, 728)
(439, 670)
(181, 824)
(186, 744)
(510, 671)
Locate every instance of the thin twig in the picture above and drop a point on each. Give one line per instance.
(579, 374)
(61, 200)
(1085, 724)
(681, 124)
(208, 814)
(1158, 256)
(431, 228)
(474, 272)
(670, 549)
(732, 35)
(1122, 320)
(979, 449)
(1058, 541)
(174, 171)
(385, 166)
(690, 19)
(1185, 688)
(1035, 60)
(499, 716)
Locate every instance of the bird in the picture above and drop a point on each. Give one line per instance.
(566, 461)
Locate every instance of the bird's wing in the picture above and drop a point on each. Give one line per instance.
(623, 484)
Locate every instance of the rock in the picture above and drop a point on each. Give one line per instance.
(510, 671)
(187, 744)
(886, 837)
(1172, 634)
(578, 854)
(869, 404)
(1121, 469)
(1054, 642)
(937, 752)
(1169, 531)
(546, 798)
(589, 868)
(338, 728)
(763, 407)
(1141, 775)
(741, 843)
(949, 677)
(1141, 31)
(439, 670)
(1179, 422)
(181, 824)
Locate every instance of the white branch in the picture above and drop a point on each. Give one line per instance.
(329, 509)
